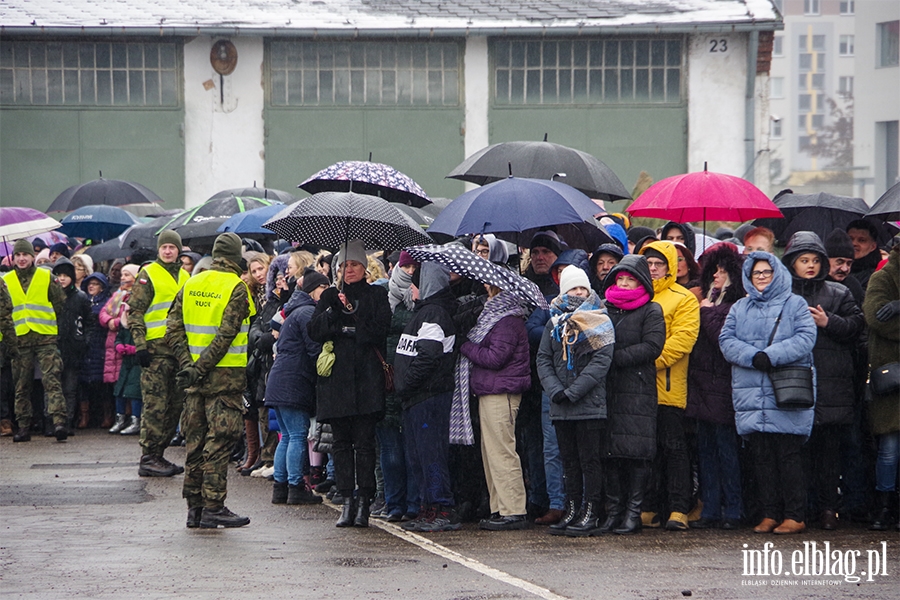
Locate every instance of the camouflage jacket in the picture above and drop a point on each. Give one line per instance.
(7, 328)
(57, 298)
(141, 298)
(213, 380)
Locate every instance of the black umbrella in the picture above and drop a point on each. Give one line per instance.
(542, 160)
(820, 213)
(329, 219)
(257, 192)
(112, 192)
(586, 235)
(108, 250)
(144, 234)
(203, 221)
(888, 206)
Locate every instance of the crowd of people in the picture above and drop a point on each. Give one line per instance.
(646, 396)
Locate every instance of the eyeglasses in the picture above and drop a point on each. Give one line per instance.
(656, 264)
(764, 274)
(483, 252)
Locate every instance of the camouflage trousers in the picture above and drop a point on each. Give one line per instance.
(49, 360)
(211, 426)
(163, 402)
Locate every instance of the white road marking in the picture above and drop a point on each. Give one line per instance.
(470, 563)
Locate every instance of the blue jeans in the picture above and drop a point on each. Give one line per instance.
(886, 463)
(426, 429)
(553, 464)
(400, 494)
(291, 452)
(136, 405)
(720, 471)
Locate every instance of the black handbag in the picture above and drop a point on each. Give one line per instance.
(793, 385)
(885, 380)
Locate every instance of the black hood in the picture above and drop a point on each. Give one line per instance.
(636, 266)
(801, 243)
(726, 255)
(689, 241)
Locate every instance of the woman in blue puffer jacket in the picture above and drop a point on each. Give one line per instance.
(776, 435)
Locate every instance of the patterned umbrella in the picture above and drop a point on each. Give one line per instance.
(374, 179)
(329, 219)
(471, 266)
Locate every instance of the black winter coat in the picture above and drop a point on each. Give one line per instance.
(833, 352)
(260, 344)
(632, 396)
(72, 327)
(356, 384)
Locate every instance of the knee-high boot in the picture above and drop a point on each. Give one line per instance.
(252, 429)
(615, 505)
(637, 482)
(84, 415)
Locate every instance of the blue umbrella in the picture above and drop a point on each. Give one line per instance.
(251, 221)
(514, 204)
(97, 222)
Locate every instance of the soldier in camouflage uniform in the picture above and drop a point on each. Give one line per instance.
(9, 347)
(34, 346)
(207, 331)
(163, 400)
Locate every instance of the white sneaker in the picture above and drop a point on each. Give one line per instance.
(263, 472)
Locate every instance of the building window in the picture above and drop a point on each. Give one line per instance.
(776, 89)
(776, 129)
(810, 7)
(887, 44)
(775, 168)
(555, 72)
(848, 7)
(845, 47)
(818, 121)
(805, 142)
(804, 101)
(806, 61)
(364, 73)
(845, 85)
(89, 74)
(778, 45)
(818, 42)
(818, 81)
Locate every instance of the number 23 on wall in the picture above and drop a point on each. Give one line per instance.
(720, 45)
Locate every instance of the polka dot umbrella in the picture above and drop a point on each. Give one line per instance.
(471, 266)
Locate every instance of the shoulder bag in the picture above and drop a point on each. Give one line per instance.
(388, 373)
(885, 380)
(793, 385)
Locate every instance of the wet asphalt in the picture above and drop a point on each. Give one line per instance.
(78, 522)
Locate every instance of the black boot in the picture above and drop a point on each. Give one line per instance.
(211, 518)
(882, 520)
(573, 506)
(588, 521)
(348, 511)
(362, 511)
(279, 493)
(302, 494)
(637, 481)
(615, 507)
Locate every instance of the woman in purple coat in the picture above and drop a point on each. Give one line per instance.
(495, 366)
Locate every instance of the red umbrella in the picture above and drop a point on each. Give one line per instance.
(704, 196)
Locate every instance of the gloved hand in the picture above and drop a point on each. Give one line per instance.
(187, 377)
(888, 311)
(761, 362)
(143, 357)
(559, 397)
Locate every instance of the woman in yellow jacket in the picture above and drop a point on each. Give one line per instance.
(682, 315)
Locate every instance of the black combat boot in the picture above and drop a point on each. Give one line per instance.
(362, 511)
(302, 494)
(194, 515)
(882, 521)
(573, 506)
(211, 518)
(60, 432)
(588, 521)
(23, 434)
(348, 511)
(280, 493)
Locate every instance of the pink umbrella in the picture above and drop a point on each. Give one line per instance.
(704, 196)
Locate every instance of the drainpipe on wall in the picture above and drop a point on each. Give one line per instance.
(749, 108)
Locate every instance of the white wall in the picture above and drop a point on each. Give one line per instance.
(223, 141)
(477, 96)
(717, 86)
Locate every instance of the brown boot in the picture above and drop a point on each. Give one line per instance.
(6, 427)
(252, 429)
(765, 526)
(108, 417)
(84, 415)
(790, 526)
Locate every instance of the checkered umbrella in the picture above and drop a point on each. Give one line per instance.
(471, 266)
(329, 219)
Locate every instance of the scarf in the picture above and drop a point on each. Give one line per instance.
(115, 304)
(400, 289)
(580, 325)
(627, 299)
(504, 304)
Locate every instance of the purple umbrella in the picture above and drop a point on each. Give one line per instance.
(369, 178)
(17, 222)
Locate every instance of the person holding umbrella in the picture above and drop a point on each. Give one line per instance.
(354, 320)
(151, 296)
(36, 301)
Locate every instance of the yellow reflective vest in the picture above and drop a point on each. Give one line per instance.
(204, 301)
(164, 289)
(32, 311)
